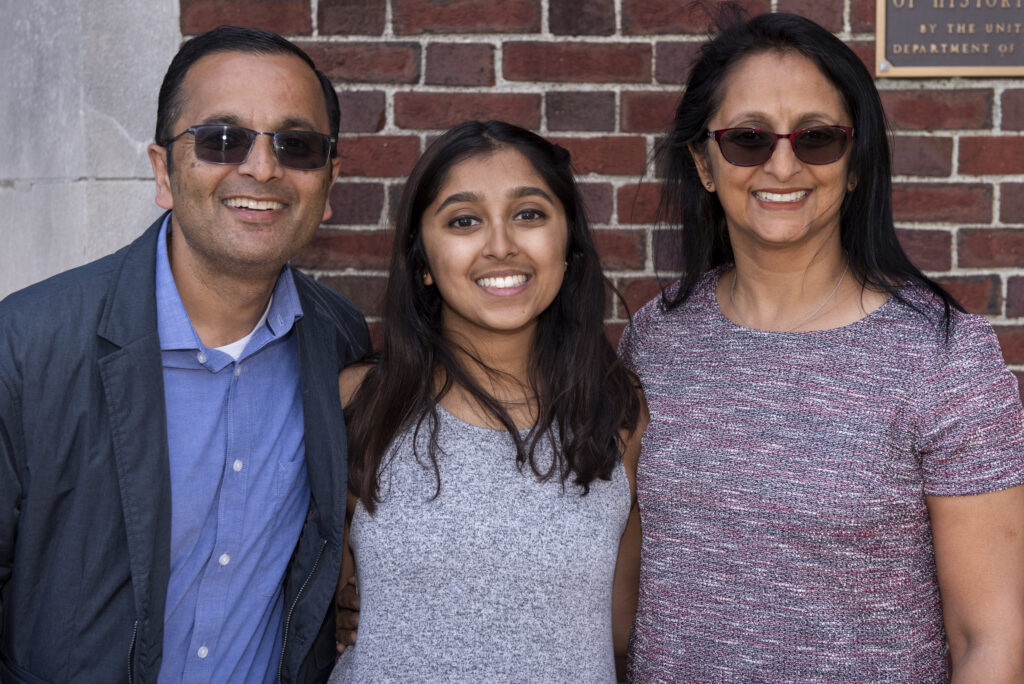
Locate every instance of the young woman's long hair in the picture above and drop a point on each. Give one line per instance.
(867, 232)
(584, 395)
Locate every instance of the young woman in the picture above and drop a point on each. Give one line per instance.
(493, 440)
(830, 483)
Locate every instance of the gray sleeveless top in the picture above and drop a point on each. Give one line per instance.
(500, 578)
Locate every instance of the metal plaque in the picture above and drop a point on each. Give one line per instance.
(937, 38)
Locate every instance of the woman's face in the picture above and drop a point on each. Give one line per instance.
(495, 239)
(782, 202)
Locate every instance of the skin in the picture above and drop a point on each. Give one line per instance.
(226, 259)
(495, 217)
(788, 258)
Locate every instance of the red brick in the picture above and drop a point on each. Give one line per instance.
(621, 249)
(362, 111)
(666, 246)
(638, 203)
(826, 14)
(356, 203)
(613, 332)
(1011, 339)
(336, 250)
(351, 17)
(672, 16)
(420, 110)
(597, 201)
(943, 202)
(608, 155)
(577, 62)
(991, 154)
(290, 17)
(580, 111)
(672, 61)
(367, 62)
(648, 112)
(862, 16)
(460, 64)
(915, 155)
(1011, 202)
(865, 49)
(1013, 109)
(990, 248)
(637, 292)
(978, 294)
(938, 109)
(385, 156)
(1015, 297)
(365, 291)
(930, 250)
(575, 18)
(465, 16)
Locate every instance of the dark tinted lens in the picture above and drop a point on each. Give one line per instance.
(746, 146)
(302, 149)
(819, 145)
(222, 144)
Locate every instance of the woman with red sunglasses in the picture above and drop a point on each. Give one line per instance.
(831, 481)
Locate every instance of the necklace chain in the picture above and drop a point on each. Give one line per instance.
(732, 300)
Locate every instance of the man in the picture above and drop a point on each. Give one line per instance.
(172, 451)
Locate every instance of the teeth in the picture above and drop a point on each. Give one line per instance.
(501, 283)
(779, 197)
(246, 203)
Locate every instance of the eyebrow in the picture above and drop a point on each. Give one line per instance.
(289, 124)
(764, 116)
(516, 193)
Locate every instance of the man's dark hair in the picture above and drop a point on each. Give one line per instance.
(231, 39)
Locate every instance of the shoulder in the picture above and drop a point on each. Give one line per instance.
(329, 304)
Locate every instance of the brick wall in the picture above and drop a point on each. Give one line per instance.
(601, 77)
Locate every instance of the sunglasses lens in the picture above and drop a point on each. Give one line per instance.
(302, 149)
(819, 145)
(746, 146)
(222, 144)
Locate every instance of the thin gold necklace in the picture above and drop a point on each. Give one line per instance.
(732, 300)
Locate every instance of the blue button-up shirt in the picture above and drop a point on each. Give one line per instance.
(239, 492)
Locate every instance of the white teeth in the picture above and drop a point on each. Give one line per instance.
(780, 197)
(501, 283)
(246, 203)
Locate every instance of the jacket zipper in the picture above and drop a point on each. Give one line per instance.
(131, 654)
(288, 620)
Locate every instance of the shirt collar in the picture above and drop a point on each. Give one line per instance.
(173, 324)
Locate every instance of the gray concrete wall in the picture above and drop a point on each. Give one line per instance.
(78, 94)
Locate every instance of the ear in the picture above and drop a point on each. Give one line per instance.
(851, 183)
(703, 168)
(158, 160)
(428, 279)
(335, 167)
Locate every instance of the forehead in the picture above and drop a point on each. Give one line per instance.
(253, 90)
(505, 166)
(784, 86)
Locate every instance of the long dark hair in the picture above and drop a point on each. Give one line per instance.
(866, 228)
(584, 395)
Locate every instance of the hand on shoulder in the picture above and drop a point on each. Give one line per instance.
(349, 380)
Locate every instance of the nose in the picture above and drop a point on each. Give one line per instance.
(261, 164)
(501, 241)
(783, 163)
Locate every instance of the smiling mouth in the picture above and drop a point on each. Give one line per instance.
(504, 282)
(255, 205)
(781, 197)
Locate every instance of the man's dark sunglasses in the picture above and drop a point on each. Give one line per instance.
(754, 146)
(226, 144)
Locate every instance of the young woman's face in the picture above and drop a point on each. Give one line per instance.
(783, 201)
(495, 239)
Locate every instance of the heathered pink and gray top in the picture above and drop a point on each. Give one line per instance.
(782, 488)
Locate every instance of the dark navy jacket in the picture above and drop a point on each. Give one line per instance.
(85, 508)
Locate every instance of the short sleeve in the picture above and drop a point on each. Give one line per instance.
(970, 431)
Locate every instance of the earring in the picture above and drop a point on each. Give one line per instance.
(709, 185)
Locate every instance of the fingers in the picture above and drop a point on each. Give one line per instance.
(348, 597)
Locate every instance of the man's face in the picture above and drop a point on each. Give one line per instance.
(243, 219)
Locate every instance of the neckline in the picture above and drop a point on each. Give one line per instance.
(445, 412)
(716, 275)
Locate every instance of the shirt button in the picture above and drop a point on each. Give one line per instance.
(203, 652)
(224, 559)
(237, 465)
(238, 370)
(201, 357)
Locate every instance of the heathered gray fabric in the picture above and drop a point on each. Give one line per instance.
(500, 578)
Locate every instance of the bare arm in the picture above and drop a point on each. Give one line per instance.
(979, 555)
